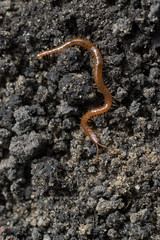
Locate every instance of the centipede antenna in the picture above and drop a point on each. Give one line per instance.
(97, 154)
(111, 149)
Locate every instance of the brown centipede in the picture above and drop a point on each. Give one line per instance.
(98, 80)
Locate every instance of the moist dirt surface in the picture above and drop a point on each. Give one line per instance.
(50, 187)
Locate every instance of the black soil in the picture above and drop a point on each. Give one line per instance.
(50, 187)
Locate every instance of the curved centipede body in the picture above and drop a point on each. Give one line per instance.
(98, 65)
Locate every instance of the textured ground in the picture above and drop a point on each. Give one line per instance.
(49, 186)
